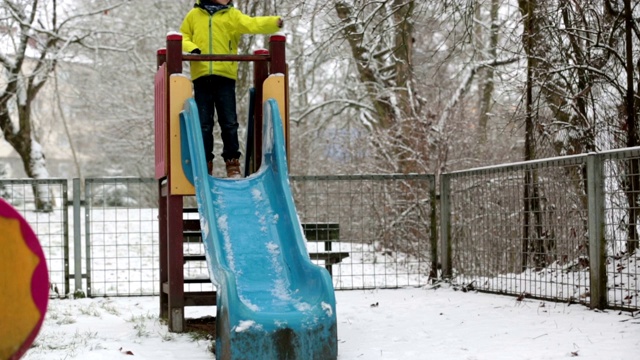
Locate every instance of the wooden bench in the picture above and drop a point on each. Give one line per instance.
(322, 233)
(325, 233)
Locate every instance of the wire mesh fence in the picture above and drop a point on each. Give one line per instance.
(553, 229)
(559, 229)
(369, 231)
(521, 230)
(48, 216)
(121, 233)
(386, 223)
(621, 189)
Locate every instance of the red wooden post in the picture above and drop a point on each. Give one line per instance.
(175, 260)
(174, 53)
(278, 57)
(174, 66)
(174, 206)
(164, 273)
(161, 57)
(260, 74)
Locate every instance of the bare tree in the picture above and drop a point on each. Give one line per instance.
(381, 38)
(581, 93)
(35, 35)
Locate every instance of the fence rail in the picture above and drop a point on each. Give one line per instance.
(554, 229)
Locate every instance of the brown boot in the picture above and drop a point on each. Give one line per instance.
(233, 168)
(210, 167)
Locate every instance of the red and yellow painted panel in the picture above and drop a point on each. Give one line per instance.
(275, 87)
(180, 90)
(24, 284)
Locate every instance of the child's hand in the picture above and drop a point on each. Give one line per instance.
(280, 22)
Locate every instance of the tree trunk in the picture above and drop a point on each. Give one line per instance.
(532, 231)
(33, 158)
(486, 101)
(633, 174)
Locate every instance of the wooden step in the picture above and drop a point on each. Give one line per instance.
(195, 298)
(191, 225)
(193, 257)
(200, 298)
(191, 231)
(197, 281)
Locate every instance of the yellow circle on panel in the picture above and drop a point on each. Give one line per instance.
(19, 314)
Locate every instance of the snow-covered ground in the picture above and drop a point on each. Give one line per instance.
(411, 323)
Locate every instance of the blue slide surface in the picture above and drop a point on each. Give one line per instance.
(272, 301)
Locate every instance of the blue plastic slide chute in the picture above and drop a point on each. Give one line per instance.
(272, 302)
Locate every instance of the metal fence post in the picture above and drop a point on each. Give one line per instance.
(433, 217)
(597, 254)
(65, 218)
(87, 239)
(445, 225)
(77, 238)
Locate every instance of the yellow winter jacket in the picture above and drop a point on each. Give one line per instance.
(219, 34)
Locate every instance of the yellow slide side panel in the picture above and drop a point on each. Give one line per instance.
(180, 89)
(274, 88)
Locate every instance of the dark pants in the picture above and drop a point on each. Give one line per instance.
(216, 93)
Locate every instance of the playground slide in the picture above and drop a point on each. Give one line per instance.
(272, 302)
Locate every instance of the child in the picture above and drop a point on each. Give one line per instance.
(215, 27)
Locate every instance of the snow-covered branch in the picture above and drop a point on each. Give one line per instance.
(465, 82)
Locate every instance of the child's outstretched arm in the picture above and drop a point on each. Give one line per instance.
(259, 24)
